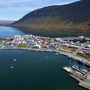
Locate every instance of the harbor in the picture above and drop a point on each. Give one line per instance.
(62, 47)
(83, 79)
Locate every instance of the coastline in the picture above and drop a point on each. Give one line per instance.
(38, 50)
(68, 54)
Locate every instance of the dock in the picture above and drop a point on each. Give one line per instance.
(84, 80)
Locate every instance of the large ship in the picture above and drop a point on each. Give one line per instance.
(68, 69)
(84, 62)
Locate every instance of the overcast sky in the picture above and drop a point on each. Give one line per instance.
(16, 9)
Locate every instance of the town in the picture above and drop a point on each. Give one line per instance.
(71, 46)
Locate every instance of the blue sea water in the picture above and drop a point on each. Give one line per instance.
(32, 71)
(6, 32)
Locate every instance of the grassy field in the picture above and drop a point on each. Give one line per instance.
(84, 56)
(22, 46)
(68, 48)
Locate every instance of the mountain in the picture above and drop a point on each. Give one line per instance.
(74, 16)
(6, 21)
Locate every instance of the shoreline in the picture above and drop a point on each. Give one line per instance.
(68, 54)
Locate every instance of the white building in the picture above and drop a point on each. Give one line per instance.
(37, 46)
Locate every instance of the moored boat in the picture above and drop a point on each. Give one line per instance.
(11, 66)
(84, 62)
(14, 60)
(68, 69)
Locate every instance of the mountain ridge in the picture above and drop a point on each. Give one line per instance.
(6, 21)
(73, 16)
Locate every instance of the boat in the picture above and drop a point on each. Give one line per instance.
(60, 53)
(14, 60)
(46, 57)
(36, 60)
(11, 66)
(84, 62)
(69, 57)
(68, 69)
(75, 67)
(84, 70)
(56, 53)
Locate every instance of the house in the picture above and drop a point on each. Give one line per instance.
(16, 37)
(81, 37)
(32, 43)
(7, 43)
(57, 39)
(86, 50)
(23, 42)
(2, 41)
(88, 46)
(53, 45)
(37, 46)
(73, 46)
(78, 44)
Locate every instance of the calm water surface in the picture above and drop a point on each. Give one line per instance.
(9, 32)
(32, 71)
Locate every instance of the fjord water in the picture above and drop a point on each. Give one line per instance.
(6, 32)
(32, 71)
(10, 31)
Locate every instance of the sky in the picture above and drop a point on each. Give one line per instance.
(16, 9)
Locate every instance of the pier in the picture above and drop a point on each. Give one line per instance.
(84, 80)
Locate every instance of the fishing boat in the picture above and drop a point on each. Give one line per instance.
(11, 66)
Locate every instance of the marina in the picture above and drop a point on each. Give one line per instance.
(82, 78)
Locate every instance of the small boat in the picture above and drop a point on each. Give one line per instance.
(75, 67)
(11, 66)
(14, 60)
(60, 53)
(56, 53)
(46, 57)
(84, 70)
(36, 60)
